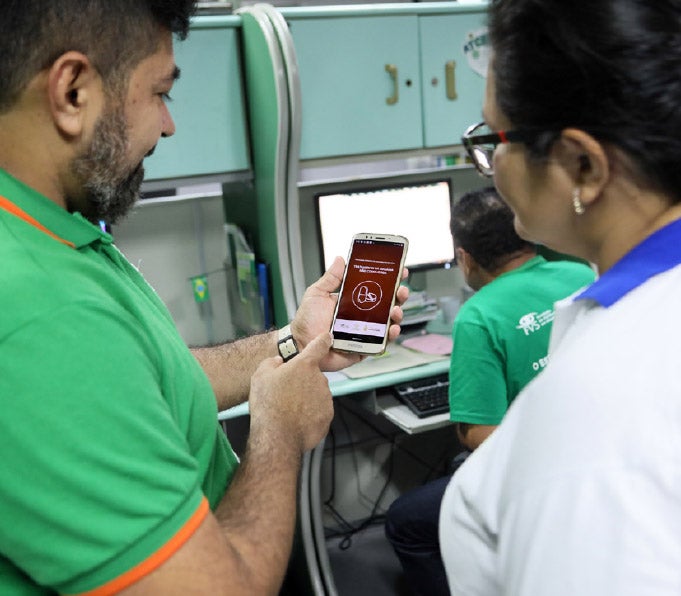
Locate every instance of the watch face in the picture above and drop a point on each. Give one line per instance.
(286, 345)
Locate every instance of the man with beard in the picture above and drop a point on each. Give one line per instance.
(116, 477)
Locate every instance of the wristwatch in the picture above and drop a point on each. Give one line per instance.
(286, 344)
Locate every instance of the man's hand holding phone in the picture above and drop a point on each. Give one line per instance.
(318, 306)
(368, 292)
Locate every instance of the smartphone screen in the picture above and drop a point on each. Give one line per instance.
(372, 276)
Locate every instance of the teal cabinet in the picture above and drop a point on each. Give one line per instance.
(360, 84)
(453, 59)
(386, 78)
(207, 106)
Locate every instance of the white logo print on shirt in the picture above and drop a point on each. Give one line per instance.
(534, 321)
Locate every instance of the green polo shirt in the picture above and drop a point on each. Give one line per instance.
(501, 337)
(109, 435)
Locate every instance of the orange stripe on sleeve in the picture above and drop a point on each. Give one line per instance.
(157, 559)
(10, 207)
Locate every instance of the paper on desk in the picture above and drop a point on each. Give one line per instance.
(430, 343)
(395, 358)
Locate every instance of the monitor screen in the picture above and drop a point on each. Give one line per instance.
(418, 210)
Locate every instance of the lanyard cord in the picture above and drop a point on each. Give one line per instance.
(10, 207)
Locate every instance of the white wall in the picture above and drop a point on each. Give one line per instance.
(172, 242)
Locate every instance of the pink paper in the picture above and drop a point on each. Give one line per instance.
(430, 343)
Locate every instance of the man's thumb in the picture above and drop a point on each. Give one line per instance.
(318, 347)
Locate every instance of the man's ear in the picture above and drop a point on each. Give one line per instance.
(465, 261)
(587, 161)
(74, 88)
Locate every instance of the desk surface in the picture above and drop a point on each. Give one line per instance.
(341, 385)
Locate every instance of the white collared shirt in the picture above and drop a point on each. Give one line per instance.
(578, 492)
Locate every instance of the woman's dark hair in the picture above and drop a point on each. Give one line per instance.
(482, 224)
(115, 34)
(609, 67)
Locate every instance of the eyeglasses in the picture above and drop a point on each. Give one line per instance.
(480, 143)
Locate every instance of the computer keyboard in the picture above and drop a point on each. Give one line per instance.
(425, 397)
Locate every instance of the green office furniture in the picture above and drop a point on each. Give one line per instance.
(391, 77)
(346, 88)
(207, 106)
(453, 55)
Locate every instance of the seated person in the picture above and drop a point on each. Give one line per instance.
(501, 337)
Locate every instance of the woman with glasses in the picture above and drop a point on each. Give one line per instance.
(578, 491)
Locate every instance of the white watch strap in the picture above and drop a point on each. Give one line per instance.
(286, 344)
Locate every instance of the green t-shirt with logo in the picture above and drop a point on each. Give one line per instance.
(109, 435)
(501, 336)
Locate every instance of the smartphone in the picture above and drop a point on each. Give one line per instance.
(367, 294)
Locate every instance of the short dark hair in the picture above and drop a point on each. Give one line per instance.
(482, 224)
(115, 34)
(609, 67)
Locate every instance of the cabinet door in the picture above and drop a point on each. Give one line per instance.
(359, 81)
(454, 52)
(207, 108)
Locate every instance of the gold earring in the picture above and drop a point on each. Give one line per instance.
(577, 202)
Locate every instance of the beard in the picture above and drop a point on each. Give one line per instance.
(110, 186)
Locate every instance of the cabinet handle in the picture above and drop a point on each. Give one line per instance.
(450, 79)
(391, 69)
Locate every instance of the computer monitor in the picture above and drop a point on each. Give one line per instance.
(417, 209)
